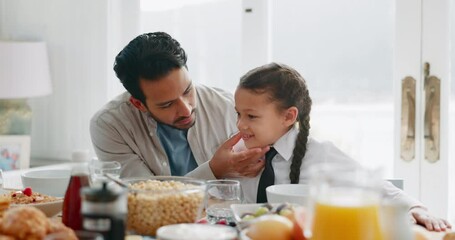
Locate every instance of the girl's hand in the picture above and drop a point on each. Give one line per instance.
(421, 216)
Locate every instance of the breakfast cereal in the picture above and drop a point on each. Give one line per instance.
(153, 204)
(26, 196)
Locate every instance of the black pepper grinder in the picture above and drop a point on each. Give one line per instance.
(104, 211)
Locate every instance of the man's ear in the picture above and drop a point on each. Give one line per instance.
(138, 104)
(290, 116)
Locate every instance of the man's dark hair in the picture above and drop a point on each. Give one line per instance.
(149, 56)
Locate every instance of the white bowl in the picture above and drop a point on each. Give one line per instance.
(290, 193)
(51, 182)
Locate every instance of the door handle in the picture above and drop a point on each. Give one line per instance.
(408, 106)
(432, 87)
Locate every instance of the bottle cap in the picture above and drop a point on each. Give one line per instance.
(81, 155)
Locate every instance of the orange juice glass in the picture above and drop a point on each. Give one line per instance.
(344, 204)
(346, 218)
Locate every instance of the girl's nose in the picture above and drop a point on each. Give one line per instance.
(241, 125)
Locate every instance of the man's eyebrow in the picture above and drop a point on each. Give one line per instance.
(164, 103)
(188, 88)
(168, 102)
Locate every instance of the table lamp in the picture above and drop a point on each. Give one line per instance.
(24, 73)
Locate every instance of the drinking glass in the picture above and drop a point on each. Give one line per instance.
(98, 168)
(344, 203)
(220, 194)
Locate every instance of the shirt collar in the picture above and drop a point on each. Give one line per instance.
(285, 145)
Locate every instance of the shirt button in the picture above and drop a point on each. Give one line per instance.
(164, 164)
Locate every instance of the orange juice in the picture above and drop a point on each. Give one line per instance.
(346, 221)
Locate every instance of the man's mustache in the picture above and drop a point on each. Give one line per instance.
(183, 118)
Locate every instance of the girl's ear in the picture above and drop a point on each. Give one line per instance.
(290, 116)
(138, 104)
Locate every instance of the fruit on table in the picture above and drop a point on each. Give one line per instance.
(202, 221)
(261, 211)
(27, 191)
(284, 209)
(271, 227)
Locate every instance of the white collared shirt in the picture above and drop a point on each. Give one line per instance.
(316, 152)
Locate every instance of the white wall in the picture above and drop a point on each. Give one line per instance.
(211, 34)
(82, 45)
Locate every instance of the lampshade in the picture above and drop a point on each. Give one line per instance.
(24, 73)
(24, 70)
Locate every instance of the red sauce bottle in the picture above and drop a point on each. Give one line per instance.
(71, 212)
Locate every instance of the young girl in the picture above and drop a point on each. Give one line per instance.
(273, 106)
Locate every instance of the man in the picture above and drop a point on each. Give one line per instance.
(165, 124)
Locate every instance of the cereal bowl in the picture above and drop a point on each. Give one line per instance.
(163, 200)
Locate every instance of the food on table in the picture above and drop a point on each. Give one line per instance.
(28, 196)
(292, 212)
(295, 214)
(284, 209)
(30, 223)
(261, 211)
(25, 223)
(271, 227)
(58, 230)
(5, 201)
(162, 203)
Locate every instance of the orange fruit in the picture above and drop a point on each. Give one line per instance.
(271, 227)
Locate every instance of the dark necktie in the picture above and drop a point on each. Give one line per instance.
(267, 176)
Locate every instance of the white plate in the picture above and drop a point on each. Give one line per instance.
(50, 208)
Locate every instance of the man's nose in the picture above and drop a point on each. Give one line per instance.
(185, 108)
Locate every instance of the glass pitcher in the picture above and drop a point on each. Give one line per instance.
(344, 203)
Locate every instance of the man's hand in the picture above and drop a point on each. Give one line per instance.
(421, 216)
(227, 163)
